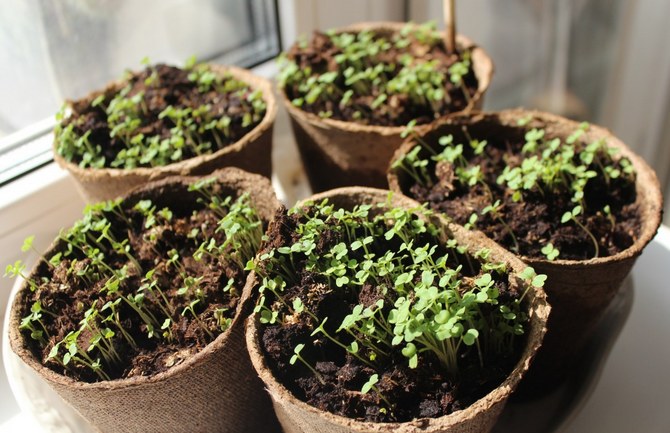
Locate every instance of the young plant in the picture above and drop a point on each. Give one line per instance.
(401, 75)
(404, 293)
(296, 356)
(125, 278)
(550, 251)
(572, 216)
(494, 210)
(540, 169)
(135, 126)
(370, 385)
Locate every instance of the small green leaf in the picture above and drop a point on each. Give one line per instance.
(367, 386)
(528, 273)
(341, 281)
(566, 217)
(409, 350)
(470, 336)
(539, 280)
(296, 353)
(27, 244)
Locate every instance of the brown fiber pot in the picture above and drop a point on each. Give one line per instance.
(297, 416)
(337, 153)
(579, 291)
(252, 153)
(216, 390)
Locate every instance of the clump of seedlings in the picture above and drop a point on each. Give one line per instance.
(161, 115)
(540, 196)
(375, 314)
(378, 77)
(134, 290)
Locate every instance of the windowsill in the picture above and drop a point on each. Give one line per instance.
(43, 200)
(39, 203)
(19, 189)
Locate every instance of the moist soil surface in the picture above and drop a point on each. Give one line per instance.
(398, 110)
(65, 294)
(170, 87)
(423, 392)
(535, 220)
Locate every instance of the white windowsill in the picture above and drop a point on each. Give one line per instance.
(15, 197)
(39, 204)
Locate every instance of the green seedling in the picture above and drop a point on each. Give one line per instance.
(428, 302)
(296, 356)
(549, 167)
(572, 216)
(364, 77)
(494, 210)
(550, 251)
(97, 253)
(193, 131)
(370, 385)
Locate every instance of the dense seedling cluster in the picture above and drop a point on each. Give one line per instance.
(377, 285)
(544, 168)
(127, 279)
(162, 115)
(399, 75)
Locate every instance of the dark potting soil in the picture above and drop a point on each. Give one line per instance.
(68, 296)
(319, 55)
(535, 220)
(423, 392)
(171, 87)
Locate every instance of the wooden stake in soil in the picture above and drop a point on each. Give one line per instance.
(449, 10)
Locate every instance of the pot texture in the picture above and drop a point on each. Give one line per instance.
(336, 153)
(216, 390)
(297, 416)
(579, 291)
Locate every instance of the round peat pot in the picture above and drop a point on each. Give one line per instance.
(252, 152)
(339, 153)
(214, 390)
(579, 291)
(297, 416)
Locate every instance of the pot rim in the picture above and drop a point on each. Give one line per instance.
(648, 191)
(183, 167)
(227, 177)
(482, 65)
(538, 309)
